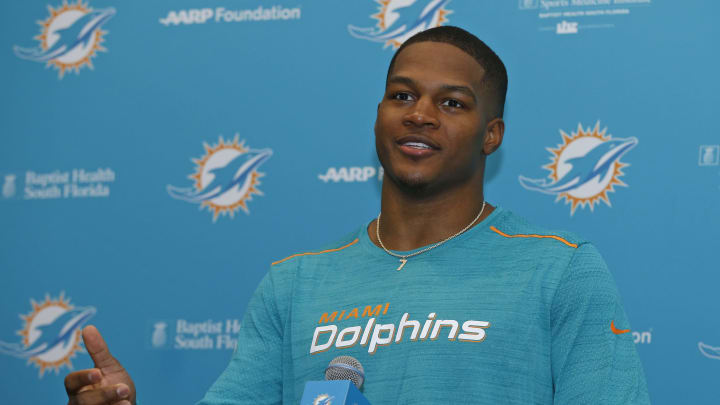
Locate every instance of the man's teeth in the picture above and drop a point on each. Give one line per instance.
(417, 145)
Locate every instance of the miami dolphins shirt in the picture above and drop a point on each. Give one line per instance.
(505, 313)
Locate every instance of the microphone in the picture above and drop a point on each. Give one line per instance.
(342, 376)
(345, 368)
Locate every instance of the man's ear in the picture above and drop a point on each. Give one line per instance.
(493, 135)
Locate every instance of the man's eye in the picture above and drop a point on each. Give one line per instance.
(402, 96)
(452, 103)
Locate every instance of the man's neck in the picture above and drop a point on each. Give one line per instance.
(410, 220)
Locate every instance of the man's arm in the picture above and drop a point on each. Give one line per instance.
(591, 362)
(254, 375)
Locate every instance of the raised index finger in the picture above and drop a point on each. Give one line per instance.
(78, 379)
(98, 350)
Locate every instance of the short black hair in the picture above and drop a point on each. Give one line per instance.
(495, 78)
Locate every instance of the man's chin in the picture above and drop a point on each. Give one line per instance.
(415, 182)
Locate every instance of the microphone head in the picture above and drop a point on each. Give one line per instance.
(345, 368)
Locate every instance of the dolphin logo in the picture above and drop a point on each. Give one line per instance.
(417, 15)
(323, 399)
(80, 32)
(235, 175)
(58, 333)
(709, 351)
(598, 161)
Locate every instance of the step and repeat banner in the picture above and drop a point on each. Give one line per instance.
(120, 118)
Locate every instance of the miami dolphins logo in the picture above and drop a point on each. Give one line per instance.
(323, 399)
(584, 168)
(51, 334)
(225, 178)
(709, 351)
(69, 38)
(398, 20)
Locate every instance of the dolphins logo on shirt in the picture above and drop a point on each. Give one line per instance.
(69, 38)
(584, 169)
(51, 334)
(225, 178)
(398, 20)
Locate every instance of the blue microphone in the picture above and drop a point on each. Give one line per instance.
(344, 376)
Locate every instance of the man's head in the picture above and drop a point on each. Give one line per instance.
(441, 112)
(495, 76)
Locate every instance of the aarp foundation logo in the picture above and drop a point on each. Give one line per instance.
(584, 168)
(51, 334)
(398, 20)
(225, 178)
(69, 38)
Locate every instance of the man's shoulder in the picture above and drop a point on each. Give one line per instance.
(559, 252)
(338, 246)
(514, 230)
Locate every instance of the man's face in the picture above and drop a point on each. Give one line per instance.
(432, 119)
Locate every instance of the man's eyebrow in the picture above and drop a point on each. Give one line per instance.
(445, 87)
(401, 80)
(460, 89)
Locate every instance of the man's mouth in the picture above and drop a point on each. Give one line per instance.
(417, 145)
(418, 142)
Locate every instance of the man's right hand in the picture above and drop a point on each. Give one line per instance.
(106, 384)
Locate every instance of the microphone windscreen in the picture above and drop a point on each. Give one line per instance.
(346, 368)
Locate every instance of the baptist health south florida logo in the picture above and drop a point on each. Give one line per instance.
(584, 168)
(398, 20)
(225, 178)
(69, 38)
(51, 334)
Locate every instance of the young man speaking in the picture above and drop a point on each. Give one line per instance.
(443, 298)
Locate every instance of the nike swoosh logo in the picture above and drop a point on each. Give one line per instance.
(617, 331)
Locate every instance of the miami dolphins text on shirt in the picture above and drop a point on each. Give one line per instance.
(375, 335)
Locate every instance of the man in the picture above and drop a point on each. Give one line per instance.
(443, 298)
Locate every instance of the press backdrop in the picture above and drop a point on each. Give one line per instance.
(120, 117)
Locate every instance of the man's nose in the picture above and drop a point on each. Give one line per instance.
(423, 114)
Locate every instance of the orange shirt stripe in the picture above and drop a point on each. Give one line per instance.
(534, 236)
(316, 253)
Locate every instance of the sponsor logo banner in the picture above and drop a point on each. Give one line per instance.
(709, 155)
(574, 16)
(584, 168)
(708, 159)
(182, 334)
(711, 352)
(50, 334)
(59, 184)
(192, 16)
(351, 174)
(225, 178)
(69, 37)
(642, 337)
(398, 20)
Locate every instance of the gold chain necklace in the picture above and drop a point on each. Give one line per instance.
(404, 258)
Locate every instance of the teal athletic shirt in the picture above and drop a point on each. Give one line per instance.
(505, 313)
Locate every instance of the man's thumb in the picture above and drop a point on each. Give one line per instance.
(96, 346)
